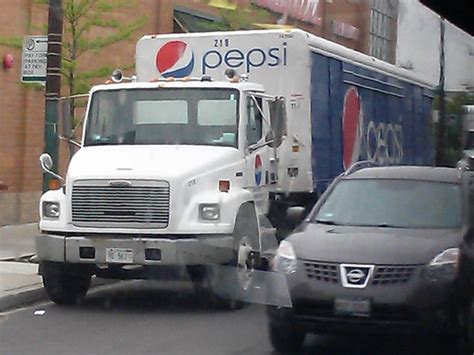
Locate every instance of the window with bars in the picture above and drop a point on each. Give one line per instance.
(381, 16)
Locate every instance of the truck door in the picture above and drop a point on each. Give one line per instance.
(258, 151)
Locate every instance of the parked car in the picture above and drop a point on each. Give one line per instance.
(386, 249)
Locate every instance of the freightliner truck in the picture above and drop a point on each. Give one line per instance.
(179, 165)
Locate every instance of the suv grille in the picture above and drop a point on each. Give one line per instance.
(392, 274)
(134, 204)
(383, 274)
(327, 272)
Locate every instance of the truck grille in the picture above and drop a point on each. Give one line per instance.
(120, 204)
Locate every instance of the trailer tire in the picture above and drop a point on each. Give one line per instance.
(65, 284)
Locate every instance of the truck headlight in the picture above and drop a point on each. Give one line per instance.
(285, 259)
(209, 211)
(444, 266)
(51, 209)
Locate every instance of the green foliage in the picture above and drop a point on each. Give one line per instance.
(82, 22)
(33, 86)
(244, 20)
(454, 122)
(12, 42)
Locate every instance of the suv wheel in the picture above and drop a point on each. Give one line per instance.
(285, 338)
(65, 283)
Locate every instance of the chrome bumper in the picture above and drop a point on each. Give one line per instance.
(192, 250)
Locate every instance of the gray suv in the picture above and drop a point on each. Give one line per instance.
(385, 249)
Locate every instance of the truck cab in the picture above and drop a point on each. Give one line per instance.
(170, 172)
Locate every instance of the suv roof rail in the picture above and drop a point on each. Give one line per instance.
(361, 165)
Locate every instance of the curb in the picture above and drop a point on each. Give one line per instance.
(34, 294)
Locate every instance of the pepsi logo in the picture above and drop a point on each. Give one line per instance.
(380, 142)
(175, 59)
(258, 169)
(352, 119)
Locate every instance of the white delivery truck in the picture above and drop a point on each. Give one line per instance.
(177, 165)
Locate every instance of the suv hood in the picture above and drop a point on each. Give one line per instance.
(372, 245)
(149, 162)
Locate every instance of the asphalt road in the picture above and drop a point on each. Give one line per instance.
(143, 317)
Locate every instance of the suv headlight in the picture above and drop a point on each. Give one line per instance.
(285, 259)
(51, 209)
(444, 266)
(209, 211)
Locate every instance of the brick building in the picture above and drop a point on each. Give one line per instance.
(368, 26)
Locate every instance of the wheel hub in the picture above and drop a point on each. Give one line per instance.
(245, 264)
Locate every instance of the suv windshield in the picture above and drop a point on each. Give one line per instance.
(393, 203)
(163, 116)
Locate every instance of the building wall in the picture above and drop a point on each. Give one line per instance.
(418, 47)
(22, 108)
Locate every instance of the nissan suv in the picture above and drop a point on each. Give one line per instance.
(385, 249)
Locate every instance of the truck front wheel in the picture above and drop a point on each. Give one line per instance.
(65, 283)
(229, 286)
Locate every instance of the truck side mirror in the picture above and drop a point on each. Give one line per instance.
(66, 119)
(278, 120)
(46, 162)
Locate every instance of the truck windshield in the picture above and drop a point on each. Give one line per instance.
(163, 116)
(393, 203)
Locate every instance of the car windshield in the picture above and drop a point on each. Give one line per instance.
(163, 116)
(393, 203)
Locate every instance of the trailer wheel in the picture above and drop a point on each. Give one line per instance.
(64, 283)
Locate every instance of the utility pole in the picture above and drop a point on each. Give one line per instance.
(53, 84)
(440, 149)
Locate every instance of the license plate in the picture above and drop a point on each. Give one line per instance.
(356, 307)
(119, 255)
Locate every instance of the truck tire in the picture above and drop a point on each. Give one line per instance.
(64, 283)
(227, 286)
(285, 338)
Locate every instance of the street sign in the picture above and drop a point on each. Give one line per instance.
(34, 59)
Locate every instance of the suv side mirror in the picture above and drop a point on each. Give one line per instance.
(295, 215)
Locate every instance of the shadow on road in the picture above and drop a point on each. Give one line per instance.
(147, 296)
(178, 299)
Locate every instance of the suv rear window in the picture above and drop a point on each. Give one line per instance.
(393, 203)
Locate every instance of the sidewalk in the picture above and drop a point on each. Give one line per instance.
(17, 241)
(19, 280)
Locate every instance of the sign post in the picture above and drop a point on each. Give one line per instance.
(34, 59)
(53, 83)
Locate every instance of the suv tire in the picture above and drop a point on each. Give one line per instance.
(285, 338)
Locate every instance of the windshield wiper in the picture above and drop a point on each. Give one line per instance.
(99, 142)
(327, 221)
